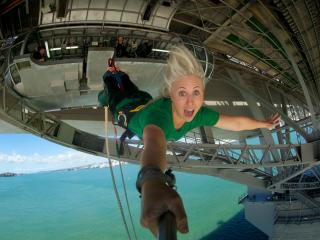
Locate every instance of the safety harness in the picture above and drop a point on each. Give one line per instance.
(129, 105)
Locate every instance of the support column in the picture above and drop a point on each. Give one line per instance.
(27, 7)
(284, 138)
(206, 135)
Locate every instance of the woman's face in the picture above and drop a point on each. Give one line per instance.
(187, 94)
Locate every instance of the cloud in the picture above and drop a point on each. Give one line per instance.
(40, 158)
(12, 158)
(40, 162)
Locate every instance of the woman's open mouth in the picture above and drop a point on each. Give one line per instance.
(188, 113)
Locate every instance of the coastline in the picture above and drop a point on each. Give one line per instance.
(77, 168)
(8, 174)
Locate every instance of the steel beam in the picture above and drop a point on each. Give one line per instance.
(227, 22)
(265, 103)
(315, 119)
(255, 110)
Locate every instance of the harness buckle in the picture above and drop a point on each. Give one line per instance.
(122, 119)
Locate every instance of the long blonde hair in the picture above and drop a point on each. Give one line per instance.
(181, 62)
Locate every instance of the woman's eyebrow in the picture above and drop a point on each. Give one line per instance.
(196, 87)
(182, 87)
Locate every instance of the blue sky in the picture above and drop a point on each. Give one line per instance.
(26, 153)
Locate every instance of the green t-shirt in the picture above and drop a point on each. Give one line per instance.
(159, 113)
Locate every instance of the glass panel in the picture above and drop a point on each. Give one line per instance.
(209, 71)
(210, 56)
(7, 79)
(200, 53)
(25, 64)
(32, 44)
(185, 39)
(190, 47)
(15, 74)
(195, 42)
(203, 65)
(15, 50)
(3, 66)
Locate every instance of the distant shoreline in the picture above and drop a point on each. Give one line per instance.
(78, 168)
(85, 167)
(8, 174)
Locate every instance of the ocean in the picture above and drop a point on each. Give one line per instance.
(78, 205)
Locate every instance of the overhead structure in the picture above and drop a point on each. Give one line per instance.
(259, 57)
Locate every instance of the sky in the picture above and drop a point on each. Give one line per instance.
(26, 153)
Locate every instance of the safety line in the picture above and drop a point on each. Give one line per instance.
(111, 171)
(123, 183)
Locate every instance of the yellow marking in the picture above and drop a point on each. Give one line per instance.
(137, 109)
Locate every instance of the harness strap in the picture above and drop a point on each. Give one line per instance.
(137, 109)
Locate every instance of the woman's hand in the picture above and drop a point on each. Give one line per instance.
(273, 121)
(113, 69)
(157, 198)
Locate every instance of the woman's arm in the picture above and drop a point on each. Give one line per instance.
(155, 147)
(239, 123)
(156, 196)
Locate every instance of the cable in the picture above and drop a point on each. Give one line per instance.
(113, 68)
(111, 172)
(123, 183)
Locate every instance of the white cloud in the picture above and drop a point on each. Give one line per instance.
(38, 158)
(40, 162)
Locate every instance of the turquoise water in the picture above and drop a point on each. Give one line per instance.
(81, 205)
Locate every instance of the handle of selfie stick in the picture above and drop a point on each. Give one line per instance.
(167, 227)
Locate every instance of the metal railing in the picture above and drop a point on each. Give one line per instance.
(242, 198)
(297, 215)
(300, 186)
(137, 46)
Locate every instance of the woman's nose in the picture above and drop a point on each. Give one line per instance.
(190, 100)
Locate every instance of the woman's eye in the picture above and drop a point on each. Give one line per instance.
(182, 94)
(196, 93)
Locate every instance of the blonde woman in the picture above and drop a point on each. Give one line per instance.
(179, 110)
